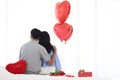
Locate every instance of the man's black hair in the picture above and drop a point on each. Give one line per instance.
(35, 33)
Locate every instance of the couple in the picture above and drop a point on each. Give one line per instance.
(39, 53)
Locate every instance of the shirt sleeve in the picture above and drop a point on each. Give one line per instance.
(44, 63)
(20, 53)
(44, 54)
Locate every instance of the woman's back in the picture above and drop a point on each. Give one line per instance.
(45, 41)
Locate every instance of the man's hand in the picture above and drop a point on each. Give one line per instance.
(50, 62)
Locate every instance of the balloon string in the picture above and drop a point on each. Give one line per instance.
(62, 56)
(65, 42)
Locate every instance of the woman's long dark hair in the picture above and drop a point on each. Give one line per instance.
(45, 41)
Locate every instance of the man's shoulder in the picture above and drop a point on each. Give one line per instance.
(26, 43)
(40, 46)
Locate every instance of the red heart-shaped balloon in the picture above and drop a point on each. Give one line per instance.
(17, 68)
(63, 31)
(62, 11)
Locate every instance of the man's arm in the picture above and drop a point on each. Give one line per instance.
(51, 61)
(20, 53)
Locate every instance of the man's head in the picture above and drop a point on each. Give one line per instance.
(35, 33)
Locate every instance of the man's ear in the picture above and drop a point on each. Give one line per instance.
(30, 37)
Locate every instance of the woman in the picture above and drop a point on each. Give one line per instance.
(45, 41)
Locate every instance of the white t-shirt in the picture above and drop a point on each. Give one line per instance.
(33, 53)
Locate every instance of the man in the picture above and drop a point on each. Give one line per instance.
(32, 53)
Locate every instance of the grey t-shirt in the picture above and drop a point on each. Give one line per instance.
(32, 53)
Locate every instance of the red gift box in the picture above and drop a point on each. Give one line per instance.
(84, 74)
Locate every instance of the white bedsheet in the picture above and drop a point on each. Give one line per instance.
(46, 77)
(4, 75)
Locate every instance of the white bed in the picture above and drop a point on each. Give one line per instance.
(5, 75)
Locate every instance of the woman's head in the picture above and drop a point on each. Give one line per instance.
(45, 41)
(45, 36)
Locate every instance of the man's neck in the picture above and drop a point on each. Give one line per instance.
(35, 40)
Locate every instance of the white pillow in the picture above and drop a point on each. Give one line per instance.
(47, 70)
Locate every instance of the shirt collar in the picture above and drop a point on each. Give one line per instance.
(35, 41)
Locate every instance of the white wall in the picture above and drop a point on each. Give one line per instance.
(23, 15)
(3, 32)
(87, 34)
(107, 37)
